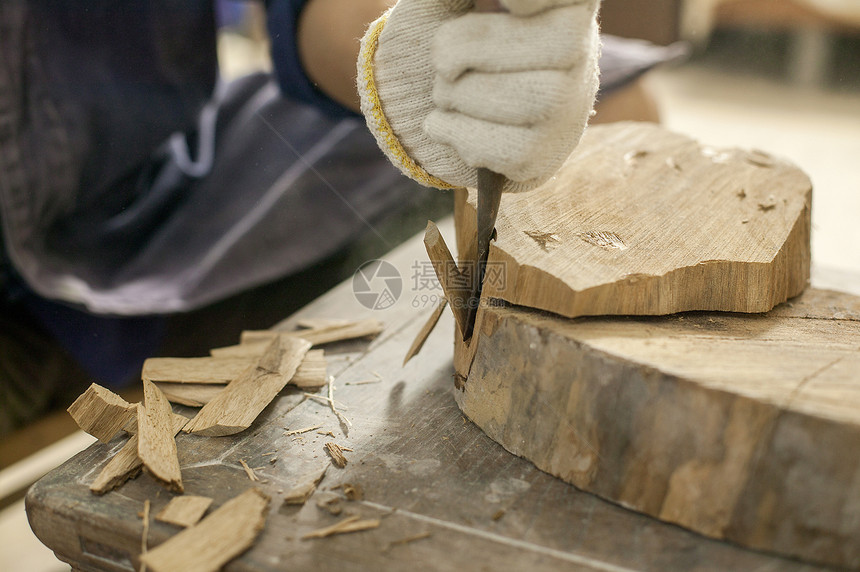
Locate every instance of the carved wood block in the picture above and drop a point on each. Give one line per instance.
(742, 426)
(648, 222)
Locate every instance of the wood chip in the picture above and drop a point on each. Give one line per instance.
(215, 540)
(425, 332)
(321, 323)
(250, 351)
(156, 446)
(248, 470)
(311, 374)
(184, 511)
(312, 371)
(190, 394)
(207, 370)
(456, 286)
(345, 423)
(330, 503)
(101, 412)
(336, 453)
(302, 492)
(305, 430)
(352, 492)
(235, 409)
(320, 336)
(349, 524)
(126, 464)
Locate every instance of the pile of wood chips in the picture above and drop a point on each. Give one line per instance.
(231, 387)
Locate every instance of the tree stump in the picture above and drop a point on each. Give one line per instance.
(743, 427)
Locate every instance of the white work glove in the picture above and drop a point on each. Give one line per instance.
(446, 90)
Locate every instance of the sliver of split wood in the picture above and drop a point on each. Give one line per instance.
(349, 524)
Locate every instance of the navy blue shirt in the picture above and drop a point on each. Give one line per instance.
(282, 22)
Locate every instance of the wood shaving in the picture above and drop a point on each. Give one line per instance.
(249, 471)
(322, 399)
(424, 333)
(303, 491)
(336, 453)
(305, 430)
(349, 524)
(215, 540)
(407, 540)
(342, 418)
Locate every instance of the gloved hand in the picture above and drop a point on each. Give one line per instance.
(446, 90)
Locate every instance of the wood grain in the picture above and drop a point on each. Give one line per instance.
(306, 487)
(156, 446)
(126, 463)
(236, 407)
(425, 331)
(311, 373)
(425, 473)
(324, 334)
(213, 370)
(742, 427)
(184, 511)
(214, 541)
(642, 221)
(455, 285)
(191, 394)
(345, 526)
(101, 412)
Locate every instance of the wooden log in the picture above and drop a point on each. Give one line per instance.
(126, 463)
(647, 222)
(184, 511)
(156, 446)
(101, 412)
(236, 407)
(740, 427)
(215, 540)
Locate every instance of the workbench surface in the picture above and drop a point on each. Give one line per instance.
(428, 474)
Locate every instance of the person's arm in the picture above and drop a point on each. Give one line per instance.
(329, 34)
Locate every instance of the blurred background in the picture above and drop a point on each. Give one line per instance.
(782, 76)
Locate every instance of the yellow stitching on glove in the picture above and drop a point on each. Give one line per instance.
(396, 152)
